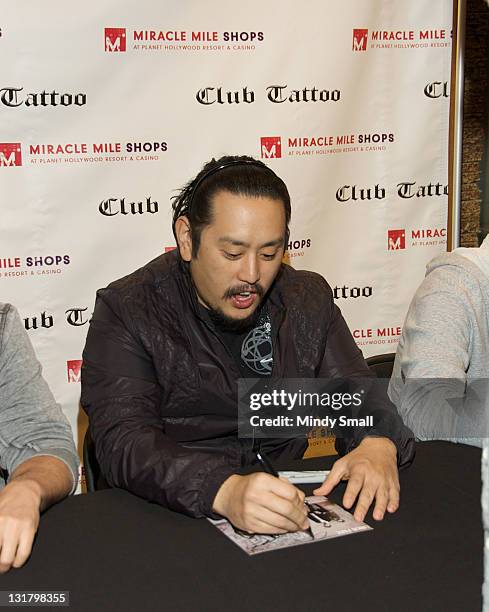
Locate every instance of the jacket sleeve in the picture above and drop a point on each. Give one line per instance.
(31, 423)
(122, 396)
(429, 383)
(343, 359)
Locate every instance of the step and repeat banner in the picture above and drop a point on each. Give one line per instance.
(107, 109)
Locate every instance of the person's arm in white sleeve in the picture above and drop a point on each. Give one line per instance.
(429, 381)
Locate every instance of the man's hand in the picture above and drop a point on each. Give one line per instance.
(371, 471)
(261, 503)
(37, 483)
(19, 518)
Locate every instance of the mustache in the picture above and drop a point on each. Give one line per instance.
(257, 288)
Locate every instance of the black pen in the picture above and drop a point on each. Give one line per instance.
(268, 467)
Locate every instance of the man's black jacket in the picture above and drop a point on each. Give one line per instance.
(160, 387)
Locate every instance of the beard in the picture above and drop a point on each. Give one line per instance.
(228, 324)
(237, 326)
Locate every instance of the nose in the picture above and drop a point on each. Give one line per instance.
(249, 271)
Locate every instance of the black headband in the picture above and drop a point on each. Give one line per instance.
(235, 162)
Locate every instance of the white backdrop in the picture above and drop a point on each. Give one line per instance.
(104, 106)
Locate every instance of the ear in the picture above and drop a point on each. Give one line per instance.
(184, 238)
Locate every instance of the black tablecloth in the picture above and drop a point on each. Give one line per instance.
(114, 551)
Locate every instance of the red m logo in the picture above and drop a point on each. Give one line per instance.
(115, 39)
(360, 39)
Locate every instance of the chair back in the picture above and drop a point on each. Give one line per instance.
(381, 365)
(94, 479)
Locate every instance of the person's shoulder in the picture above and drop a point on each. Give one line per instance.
(454, 290)
(8, 313)
(10, 324)
(453, 274)
(303, 288)
(6, 309)
(152, 278)
(303, 280)
(154, 273)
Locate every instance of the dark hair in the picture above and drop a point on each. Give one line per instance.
(240, 175)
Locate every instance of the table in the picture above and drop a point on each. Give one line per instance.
(114, 551)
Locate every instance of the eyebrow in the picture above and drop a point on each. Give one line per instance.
(234, 242)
